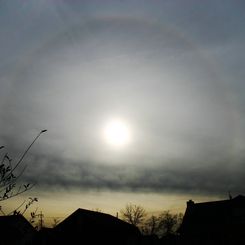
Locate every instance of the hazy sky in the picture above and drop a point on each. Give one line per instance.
(173, 71)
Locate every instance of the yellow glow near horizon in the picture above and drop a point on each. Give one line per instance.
(117, 133)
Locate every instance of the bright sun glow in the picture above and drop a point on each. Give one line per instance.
(117, 133)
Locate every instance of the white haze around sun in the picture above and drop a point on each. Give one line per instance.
(173, 99)
(117, 133)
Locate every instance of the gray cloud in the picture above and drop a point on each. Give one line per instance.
(217, 178)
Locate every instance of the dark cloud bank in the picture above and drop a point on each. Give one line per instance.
(173, 177)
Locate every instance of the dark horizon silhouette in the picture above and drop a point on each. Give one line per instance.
(209, 223)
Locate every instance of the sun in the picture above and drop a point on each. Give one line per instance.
(117, 133)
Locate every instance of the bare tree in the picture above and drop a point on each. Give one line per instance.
(169, 223)
(151, 225)
(10, 174)
(164, 224)
(133, 214)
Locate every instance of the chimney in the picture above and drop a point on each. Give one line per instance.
(190, 203)
(230, 196)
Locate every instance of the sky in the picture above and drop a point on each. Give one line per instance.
(172, 72)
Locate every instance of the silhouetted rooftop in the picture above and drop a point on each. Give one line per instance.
(96, 226)
(211, 214)
(81, 216)
(15, 229)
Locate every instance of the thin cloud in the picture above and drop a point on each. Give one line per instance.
(173, 70)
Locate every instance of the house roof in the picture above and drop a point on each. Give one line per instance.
(95, 227)
(83, 219)
(210, 214)
(15, 229)
(15, 222)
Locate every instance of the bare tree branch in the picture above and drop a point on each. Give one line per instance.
(133, 214)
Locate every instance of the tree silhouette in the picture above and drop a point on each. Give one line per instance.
(133, 214)
(169, 223)
(10, 178)
(151, 225)
(164, 224)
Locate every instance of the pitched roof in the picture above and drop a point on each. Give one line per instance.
(87, 219)
(96, 227)
(17, 222)
(15, 229)
(210, 214)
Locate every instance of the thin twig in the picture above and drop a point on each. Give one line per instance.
(14, 180)
(25, 152)
(17, 207)
(18, 193)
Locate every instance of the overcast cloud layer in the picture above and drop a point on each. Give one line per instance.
(173, 70)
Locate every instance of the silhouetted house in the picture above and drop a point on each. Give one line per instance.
(218, 222)
(15, 229)
(150, 240)
(95, 228)
(170, 239)
(45, 236)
